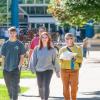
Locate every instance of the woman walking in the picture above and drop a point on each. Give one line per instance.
(70, 60)
(43, 61)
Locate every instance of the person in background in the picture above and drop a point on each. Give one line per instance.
(86, 46)
(72, 30)
(70, 60)
(13, 53)
(35, 40)
(42, 62)
(61, 34)
(78, 35)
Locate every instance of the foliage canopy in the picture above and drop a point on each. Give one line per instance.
(75, 12)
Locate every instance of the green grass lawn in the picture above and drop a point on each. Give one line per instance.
(24, 74)
(4, 93)
(27, 74)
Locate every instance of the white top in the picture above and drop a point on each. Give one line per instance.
(78, 33)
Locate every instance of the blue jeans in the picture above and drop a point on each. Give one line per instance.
(43, 80)
(84, 52)
(12, 82)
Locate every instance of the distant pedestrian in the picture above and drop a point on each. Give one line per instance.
(35, 40)
(70, 61)
(86, 46)
(72, 30)
(13, 53)
(78, 35)
(61, 34)
(43, 61)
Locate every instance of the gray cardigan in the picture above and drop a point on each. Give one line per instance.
(44, 59)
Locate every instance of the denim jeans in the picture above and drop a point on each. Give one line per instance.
(84, 52)
(12, 82)
(43, 80)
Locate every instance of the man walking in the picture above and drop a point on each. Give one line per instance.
(13, 53)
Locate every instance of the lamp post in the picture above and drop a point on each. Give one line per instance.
(14, 13)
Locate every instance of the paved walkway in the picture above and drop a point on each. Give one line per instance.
(89, 82)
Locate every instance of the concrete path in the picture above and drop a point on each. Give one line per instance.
(89, 82)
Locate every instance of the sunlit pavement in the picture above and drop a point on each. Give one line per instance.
(89, 82)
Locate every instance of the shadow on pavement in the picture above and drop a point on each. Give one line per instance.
(94, 96)
(29, 95)
(88, 98)
(91, 93)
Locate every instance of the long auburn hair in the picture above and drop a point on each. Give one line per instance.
(48, 43)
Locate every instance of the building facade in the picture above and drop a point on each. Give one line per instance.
(33, 13)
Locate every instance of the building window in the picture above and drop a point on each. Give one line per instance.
(52, 27)
(22, 1)
(40, 10)
(47, 1)
(30, 1)
(28, 10)
(24, 8)
(36, 10)
(32, 10)
(45, 11)
(39, 1)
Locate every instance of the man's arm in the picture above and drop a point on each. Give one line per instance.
(22, 53)
(21, 61)
(3, 53)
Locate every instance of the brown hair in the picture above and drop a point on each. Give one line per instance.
(12, 29)
(48, 43)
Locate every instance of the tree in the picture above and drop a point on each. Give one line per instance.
(3, 12)
(75, 12)
(3, 19)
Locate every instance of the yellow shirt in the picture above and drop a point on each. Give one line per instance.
(66, 64)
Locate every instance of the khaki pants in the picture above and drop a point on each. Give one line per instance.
(70, 83)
